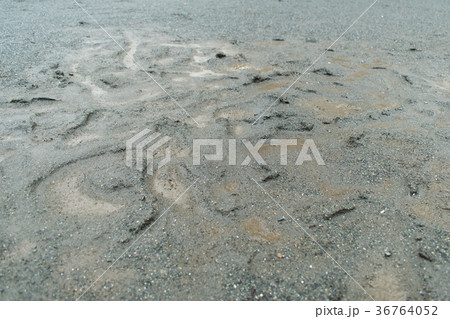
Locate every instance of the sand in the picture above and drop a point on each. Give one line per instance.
(376, 107)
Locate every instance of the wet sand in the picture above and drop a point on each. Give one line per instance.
(377, 109)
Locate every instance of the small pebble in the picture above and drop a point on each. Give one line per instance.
(220, 55)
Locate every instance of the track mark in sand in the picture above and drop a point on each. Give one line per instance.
(74, 137)
(33, 100)
(204, 73)
(339, 212)
(87, 117)
(200, 59)
(386, 285)
(36, 183)
(256, 230)
(128, 59)
(81, 139)
(168, 183)
(147, 222)
(63, 190)
(68, 196)
(96, 91)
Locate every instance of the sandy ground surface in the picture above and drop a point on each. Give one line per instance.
(376, 105)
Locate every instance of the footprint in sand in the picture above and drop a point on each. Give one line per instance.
(69, 197)
(87, 188)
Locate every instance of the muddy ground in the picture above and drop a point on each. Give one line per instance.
(376, 105)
